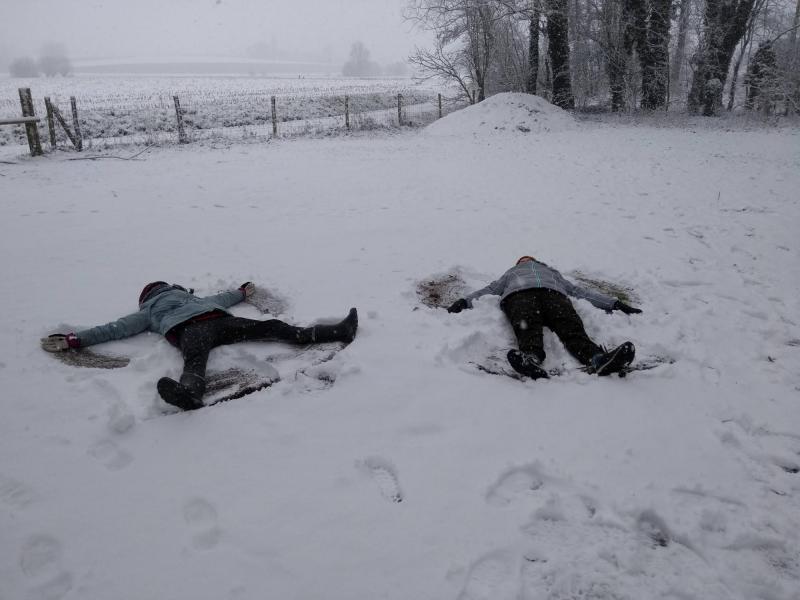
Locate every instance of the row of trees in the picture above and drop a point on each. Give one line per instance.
(360, 64)
(646, 54)
(52, 61)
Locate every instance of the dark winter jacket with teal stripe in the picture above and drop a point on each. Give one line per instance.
(160, 313)
(534, 274)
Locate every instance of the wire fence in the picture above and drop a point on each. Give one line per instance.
(196, 116)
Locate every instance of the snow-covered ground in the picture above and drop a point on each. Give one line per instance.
(679, 482)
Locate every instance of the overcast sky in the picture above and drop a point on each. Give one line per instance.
(176, 28)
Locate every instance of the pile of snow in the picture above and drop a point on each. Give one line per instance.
(509, 112)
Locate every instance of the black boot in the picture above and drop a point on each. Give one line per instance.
(614, 361)
(526, 363)
(186, 395)
(343, 331)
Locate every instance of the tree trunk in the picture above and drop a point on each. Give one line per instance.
(612, 18)
(793, 102)
(655, 59)
(533, 51)
(680, 44)
(724, 24)
(557, 33)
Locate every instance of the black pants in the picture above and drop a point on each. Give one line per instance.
(197, 339)
(531, 310)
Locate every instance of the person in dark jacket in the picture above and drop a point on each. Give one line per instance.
(195, 326)
(533, 296)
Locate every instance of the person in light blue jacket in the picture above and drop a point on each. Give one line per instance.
(196, 325)
(533, 295)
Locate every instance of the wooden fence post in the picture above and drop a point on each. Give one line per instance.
(400, 109)
(182, 139)
(347, 112)
(31, 129)
(274, 118)
(64, 125)
(472, 100)
(51, 125)
(440, 106)
(75, 123)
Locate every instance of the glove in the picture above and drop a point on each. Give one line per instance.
(248, 288)
(628, 310)
(458, 306)
(59, 342)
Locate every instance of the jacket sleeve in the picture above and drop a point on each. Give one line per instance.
(599, 299)
(116, 330)
(495, 288)
(227, 299)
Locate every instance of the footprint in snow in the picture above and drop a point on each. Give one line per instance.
(516, 483)
(384, 474)
(15, 494)
(40, 561)
(201, 517)
(492, 577)
(770, 457)
(110, 455)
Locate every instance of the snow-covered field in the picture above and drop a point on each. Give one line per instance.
(141, 109)
(680, 482)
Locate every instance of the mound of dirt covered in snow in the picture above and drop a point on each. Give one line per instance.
(509, 112)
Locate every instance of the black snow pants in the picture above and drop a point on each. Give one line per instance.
(196, 339)
(531, 310)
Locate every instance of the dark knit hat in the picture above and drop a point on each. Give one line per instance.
(150, 290)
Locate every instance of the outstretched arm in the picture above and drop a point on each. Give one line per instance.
(495, 288)
(598, 299)
(116, 330)
(232, 297)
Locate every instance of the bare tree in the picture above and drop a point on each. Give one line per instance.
(724, 24)
(442, 62)
(558, 43)
(359, 63)
(743, 46)
(534, 23)
(465, 39)
(509, 69)
(655, 56)
(23, 67)
(684, 11)
(54, 60)
(615, 44)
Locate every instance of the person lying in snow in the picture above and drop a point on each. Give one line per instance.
(534, 295)
(195, 325)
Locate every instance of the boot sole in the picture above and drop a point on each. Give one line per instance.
(622, 357)
(175, 394)
(531, 371)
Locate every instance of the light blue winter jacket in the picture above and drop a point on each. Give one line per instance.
(534, 274)
(160, 313)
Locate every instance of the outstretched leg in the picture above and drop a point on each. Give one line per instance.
(195, 341)
(233, 330)
(237, 329)
(526, 319)
(522, 310)
(560, 316)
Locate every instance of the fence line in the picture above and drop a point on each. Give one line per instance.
(192, 117)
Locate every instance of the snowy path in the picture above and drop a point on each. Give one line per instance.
(413, 476)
